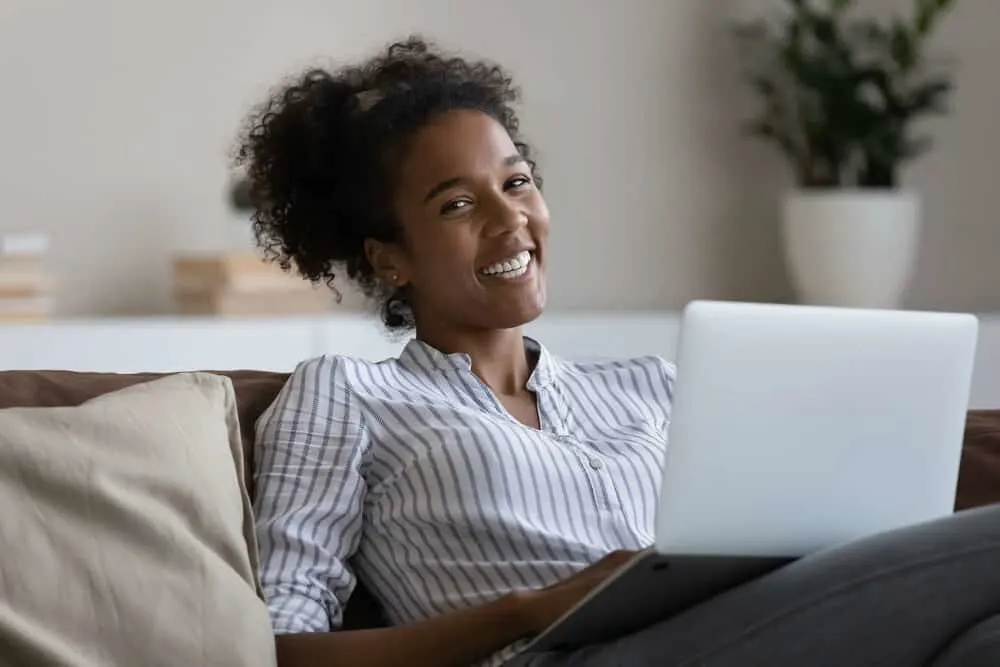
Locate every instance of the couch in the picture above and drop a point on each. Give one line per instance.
(979, 480)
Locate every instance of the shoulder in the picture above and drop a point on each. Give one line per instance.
(317, 406)
(325, 385)
(637, 381)
(654, 368)
(341, 371)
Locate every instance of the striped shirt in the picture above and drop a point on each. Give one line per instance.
(410, 474)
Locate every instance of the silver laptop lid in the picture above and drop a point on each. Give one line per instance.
(795, 428)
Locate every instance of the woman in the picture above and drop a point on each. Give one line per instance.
(477, 484)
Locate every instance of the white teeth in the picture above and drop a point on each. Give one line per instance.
(510, 268)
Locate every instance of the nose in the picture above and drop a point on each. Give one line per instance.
(505, 215)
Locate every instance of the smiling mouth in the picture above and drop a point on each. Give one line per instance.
(513, 267)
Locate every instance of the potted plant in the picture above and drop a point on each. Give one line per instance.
(840, 95)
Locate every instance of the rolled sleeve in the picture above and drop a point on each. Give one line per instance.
(309, 497)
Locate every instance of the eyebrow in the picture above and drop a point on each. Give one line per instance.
(449, 183)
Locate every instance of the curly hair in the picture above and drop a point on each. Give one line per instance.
(320, 154)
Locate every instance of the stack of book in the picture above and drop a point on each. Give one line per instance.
(26, 288)
(243, 284)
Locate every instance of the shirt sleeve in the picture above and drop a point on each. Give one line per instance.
(668, 376)
(309, 494)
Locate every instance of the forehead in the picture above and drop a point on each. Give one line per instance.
(456, 144)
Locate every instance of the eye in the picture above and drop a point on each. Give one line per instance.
(455, 206)
(519, 182)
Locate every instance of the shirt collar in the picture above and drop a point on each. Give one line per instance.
(418, 354)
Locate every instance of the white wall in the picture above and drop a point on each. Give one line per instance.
(959, 265)
(118, 116)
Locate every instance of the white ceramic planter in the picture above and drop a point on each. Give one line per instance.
(851, 248)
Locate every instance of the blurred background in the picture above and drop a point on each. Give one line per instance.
(118, 119)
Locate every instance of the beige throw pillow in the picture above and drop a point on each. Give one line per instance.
(126, 532)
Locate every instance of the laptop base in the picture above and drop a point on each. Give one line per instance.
(650, 588)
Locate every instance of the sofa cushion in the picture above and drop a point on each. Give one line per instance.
(979, 477)
(255, 390)
(127, 533)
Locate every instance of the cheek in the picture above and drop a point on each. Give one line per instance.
(539, 218)
(443, 259)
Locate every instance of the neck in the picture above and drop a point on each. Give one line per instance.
(498, 356)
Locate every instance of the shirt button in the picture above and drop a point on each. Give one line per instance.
(596, 464)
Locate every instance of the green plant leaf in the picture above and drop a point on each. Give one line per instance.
(925, 10)
(930, 97)
(840, 6)
(838, 93)
(903, 46)
(928, 12)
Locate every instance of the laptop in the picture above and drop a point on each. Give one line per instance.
(793, 429)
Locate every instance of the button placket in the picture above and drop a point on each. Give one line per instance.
(598, 476)
(593, 469)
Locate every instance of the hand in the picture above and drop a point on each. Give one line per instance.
(545, 606)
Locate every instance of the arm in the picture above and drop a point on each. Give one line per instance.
(311, 448)
(308, 499)
(459, 639)
(451, 640)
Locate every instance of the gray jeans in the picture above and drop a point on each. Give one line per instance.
(926, 596)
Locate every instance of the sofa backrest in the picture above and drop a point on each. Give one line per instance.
(979, 477)
(979, 480)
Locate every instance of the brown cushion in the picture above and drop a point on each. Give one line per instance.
(255, 390)
(979, 479)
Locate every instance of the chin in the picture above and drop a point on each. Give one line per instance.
(511, 318)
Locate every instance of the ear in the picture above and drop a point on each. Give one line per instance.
(388, 261)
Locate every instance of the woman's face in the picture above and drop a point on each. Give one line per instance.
(475, 227)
